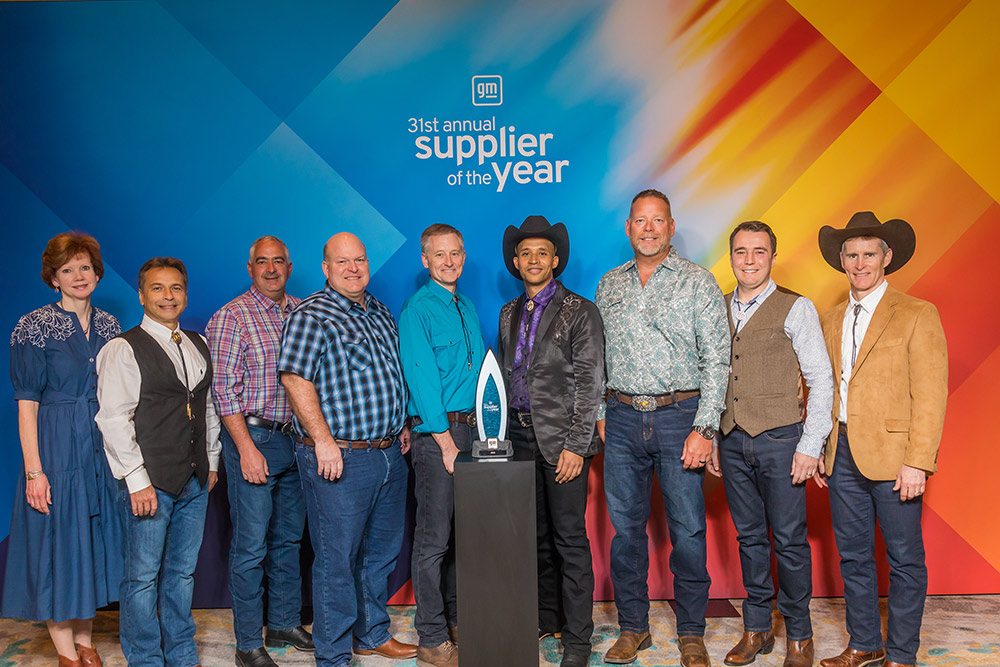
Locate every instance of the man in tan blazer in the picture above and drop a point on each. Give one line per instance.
(890, 369)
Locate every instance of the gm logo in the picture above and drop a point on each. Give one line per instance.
(487, 90)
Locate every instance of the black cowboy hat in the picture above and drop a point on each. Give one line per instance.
(536, 227)
(897, 233)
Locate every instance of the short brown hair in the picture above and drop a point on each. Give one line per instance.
(162, 263)
(64, 247)
(439, 229)
(755, 226)
(650, 192)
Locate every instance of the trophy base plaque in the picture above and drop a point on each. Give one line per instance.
(492, 448)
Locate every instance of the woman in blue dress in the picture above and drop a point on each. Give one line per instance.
(64, 556)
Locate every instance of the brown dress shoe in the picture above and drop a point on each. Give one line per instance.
(444, 655)
(852, 658)
(88, 656)
(391, 649)
(68, 662)
(799, 654)
(628, 644)
(693, 652)
(749, 646)
(890, 663)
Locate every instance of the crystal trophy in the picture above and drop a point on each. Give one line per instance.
(491, 413)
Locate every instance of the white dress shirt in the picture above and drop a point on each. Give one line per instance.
(847, 337)
(118, 383)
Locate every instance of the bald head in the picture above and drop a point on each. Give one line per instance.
(345, 265)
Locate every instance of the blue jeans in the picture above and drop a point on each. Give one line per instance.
(356, 527)
(855, 503)
(762, 499)
(161, 552)
(636, 445)
(268, 520)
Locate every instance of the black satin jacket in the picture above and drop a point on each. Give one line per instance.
(565, 371)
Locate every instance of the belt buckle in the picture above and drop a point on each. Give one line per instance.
(471, 420)
(644, 403)
(524, 419)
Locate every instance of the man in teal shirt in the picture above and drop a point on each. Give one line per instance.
(441, 347)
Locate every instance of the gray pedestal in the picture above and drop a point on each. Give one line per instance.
(497, 568)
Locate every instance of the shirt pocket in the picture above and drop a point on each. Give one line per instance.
(359, 356)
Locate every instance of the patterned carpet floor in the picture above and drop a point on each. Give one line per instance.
(957, 631)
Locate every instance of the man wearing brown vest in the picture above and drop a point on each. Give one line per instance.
(767, 453)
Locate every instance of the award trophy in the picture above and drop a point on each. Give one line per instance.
(491, 413)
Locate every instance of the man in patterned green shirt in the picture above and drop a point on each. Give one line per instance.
(667, 356)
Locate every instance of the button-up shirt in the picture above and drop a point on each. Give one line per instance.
(351, 354)
(118, 384)
(441, 347)
(852, 333)
(244, 337)
(806, 334)
(671, 335)
(531, 315)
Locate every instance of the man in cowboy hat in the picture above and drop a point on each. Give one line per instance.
(890, 369)
(551, 350)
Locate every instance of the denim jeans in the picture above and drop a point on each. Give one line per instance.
(636, 445)
(756, 472)
(433, 561)
(161, 551)
(356, 527)
(565, 568)
(268, 520)
(855, 503)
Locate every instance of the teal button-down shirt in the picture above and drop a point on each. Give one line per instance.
(441, 347)
(671, 335)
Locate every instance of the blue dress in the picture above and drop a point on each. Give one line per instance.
(66, 564)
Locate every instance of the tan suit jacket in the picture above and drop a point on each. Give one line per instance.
(898, 389)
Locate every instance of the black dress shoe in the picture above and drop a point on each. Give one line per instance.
(296, 637)
(574, 660)
(258, 657)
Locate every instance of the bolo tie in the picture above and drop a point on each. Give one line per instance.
(465, 332)
(176, 337)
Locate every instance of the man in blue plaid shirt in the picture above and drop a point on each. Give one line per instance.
(340, 366)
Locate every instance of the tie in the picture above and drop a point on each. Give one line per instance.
(854, 335)
(176, 337)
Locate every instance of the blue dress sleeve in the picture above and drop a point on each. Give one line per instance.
(27, 360)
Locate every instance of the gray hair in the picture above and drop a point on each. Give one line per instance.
(262, 239)
(881, 242)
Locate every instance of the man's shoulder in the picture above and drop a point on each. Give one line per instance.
(615, 274)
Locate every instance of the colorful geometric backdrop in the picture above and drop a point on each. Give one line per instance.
(191, 128)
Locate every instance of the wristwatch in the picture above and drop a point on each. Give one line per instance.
(706, 432)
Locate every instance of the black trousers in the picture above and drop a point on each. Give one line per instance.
(565, 569)
(432, 564)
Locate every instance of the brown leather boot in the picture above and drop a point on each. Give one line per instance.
(799, 654)
(88, 656)
(444, 655)
(628, 644)
(749, 646)
(852, 658)
(693, 652)
(68, 662)
(890, 663)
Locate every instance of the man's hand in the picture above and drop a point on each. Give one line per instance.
(820, 475)
(910, 482)
(144, 501)
(39, 493)
(713, 463)
(329, 462)
(254, 465)
(803, 467)
(213, 479)
(404, 440)
(569, 466)
(448, 456)
(697, 451)
(600, 428)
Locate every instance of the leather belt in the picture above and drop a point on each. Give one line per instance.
(842, 428)
(467, 418)
(381, 443)
(269, 424)
(645, 403)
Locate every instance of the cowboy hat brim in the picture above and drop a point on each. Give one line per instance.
(536, 227)
(898, 234)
